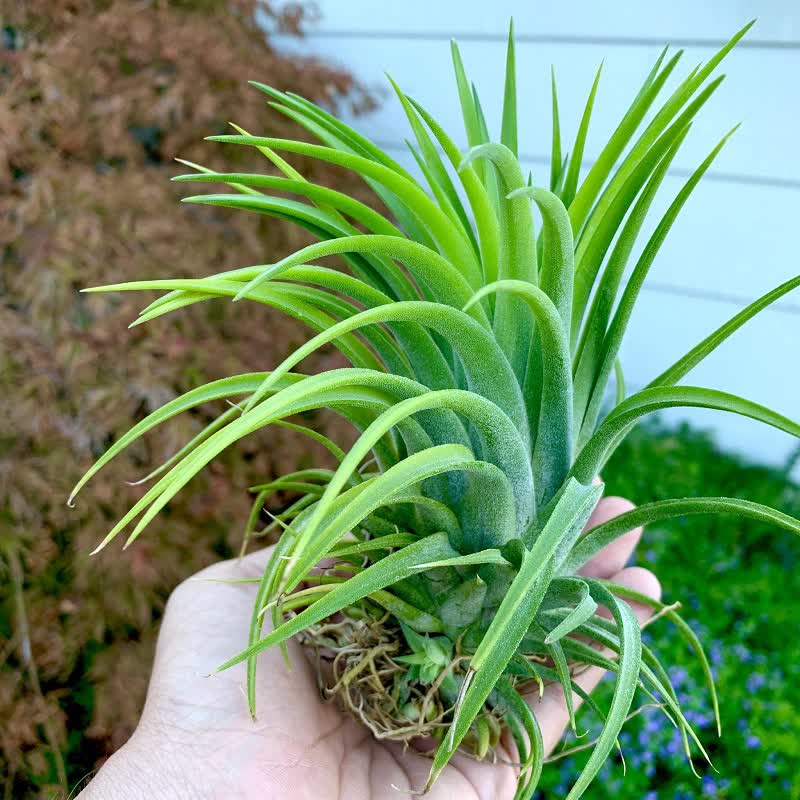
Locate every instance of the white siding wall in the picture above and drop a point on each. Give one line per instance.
(737, 236)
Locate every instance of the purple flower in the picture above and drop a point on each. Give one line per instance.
(755, 681)
(674, 745)
(654, 725)
(752, 742)
(678, 675)
(709, 785)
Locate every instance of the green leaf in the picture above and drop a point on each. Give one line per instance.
(444, 281)
(390, 542)
(552, 455)
(555, 147)
(314, 542)
(627, 677)
(613, 339)
(454, 246)
(558, 257)
(601, 169)
(619, 422)
(518, 250)
(508, 134)
(203, 173)
(463, 606)
(584, 610)
(216, 390)
(222, 420)
(599, 232)
(490, 556)
(531, 770)
(515, 614)
(601, 535)
(431, 163)
(333, 129)
(576, 157)
(685, 631)
(598, 174)
(381, 574)
(333, 388)
(501, 446)
(479, 200)
(487, 370)
(591, 370)
(371, 219)
(466, 98)
(318, 437)
(310, 306)
(555, 653)
(405, 612)
(688, 362)
(603, 632)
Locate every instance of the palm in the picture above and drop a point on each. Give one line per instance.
(299, 747)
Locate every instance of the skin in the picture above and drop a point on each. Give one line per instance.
(196, 740)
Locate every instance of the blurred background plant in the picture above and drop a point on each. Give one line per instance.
(96, 99)
(739, 584)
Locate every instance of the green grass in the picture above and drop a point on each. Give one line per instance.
(740, 588)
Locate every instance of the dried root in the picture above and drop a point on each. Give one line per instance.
(357, 668)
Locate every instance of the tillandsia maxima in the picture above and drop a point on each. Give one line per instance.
(481, 354)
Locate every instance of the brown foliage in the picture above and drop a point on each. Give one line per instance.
(96, 99)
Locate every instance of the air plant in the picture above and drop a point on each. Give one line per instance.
(445, 548)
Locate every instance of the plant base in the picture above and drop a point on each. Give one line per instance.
(356, 666)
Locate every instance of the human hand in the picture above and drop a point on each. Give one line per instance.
(196, 738)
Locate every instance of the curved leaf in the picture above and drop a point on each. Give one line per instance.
(602, 535)
(617, 424)
(343, 203)
(487, 370)
(550, 404)
(515, 614)
(688, 362)
(518, 250)
(314, 543)
(454, 246)
(444, 281)
(502, 447)
(384, 573)
(216, 390)
(630, 650)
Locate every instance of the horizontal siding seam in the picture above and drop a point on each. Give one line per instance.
(740, 301)
(535, 38)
